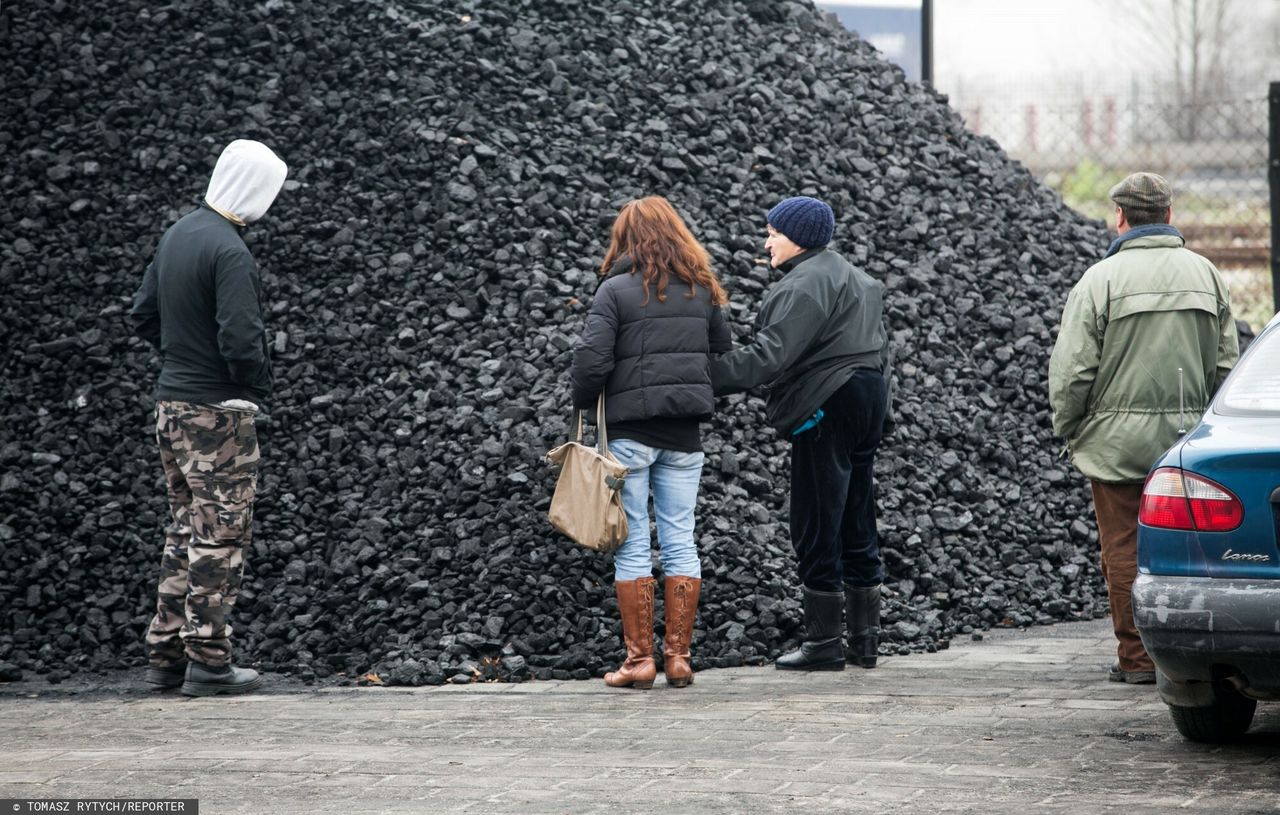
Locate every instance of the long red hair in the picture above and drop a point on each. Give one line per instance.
(651, 233)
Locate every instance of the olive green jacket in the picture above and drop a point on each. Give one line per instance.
(1131, 322)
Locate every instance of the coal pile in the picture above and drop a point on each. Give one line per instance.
(454, 170)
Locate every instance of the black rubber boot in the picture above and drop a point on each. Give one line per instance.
(821, 649)
(862, 612)
(205, 680)
(163, 677)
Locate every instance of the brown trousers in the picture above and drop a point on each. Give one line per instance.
(1116, 507)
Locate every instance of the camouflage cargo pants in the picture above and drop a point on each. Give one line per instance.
(210, 460)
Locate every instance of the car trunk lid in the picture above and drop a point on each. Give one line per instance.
(1244, 457)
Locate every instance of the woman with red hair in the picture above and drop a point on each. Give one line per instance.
(647, 345)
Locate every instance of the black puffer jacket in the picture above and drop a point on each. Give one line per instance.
(653, 360)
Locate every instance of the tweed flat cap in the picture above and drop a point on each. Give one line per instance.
(1143, 191)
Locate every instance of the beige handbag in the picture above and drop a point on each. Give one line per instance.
(587, 504)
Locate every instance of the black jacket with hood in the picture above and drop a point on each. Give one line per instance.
(200, 300)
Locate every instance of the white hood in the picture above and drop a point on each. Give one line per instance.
(246, 180)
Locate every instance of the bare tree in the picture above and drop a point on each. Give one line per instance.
(1200, 36)
(1199, 40)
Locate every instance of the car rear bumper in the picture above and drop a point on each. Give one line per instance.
(1201, 629)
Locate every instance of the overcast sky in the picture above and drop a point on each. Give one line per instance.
(1100, 45)
(1025, 40)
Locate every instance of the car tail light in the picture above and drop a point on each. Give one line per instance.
(1177, 499)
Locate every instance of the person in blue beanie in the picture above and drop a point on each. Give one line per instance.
(821, 348)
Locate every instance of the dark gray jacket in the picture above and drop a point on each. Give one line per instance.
(199, 305)
(652, 359)
(820, 322)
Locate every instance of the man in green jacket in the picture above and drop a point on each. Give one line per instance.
(1147, 336)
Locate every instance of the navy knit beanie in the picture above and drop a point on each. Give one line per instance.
(808, 222)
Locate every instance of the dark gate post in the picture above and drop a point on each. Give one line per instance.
(1273, 175)
(926, 43)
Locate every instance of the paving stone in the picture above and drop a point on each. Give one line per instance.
(923, 733)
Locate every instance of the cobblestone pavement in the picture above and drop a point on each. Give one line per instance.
(1022, 721)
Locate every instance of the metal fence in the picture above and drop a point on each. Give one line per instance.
(1214, 155)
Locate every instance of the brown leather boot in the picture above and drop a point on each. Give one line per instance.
(635, 602)
(681, 597)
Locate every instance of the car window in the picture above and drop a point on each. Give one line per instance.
(1254, 386)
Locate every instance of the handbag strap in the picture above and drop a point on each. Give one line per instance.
(602, 435)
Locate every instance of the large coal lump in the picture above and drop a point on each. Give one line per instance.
(454, 171)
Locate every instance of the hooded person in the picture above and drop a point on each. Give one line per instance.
(200, 306)
(821, 348)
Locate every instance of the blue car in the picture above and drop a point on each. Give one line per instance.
(1207, 596)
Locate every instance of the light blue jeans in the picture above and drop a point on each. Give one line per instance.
(674, 477)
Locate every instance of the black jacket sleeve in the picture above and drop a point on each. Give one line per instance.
(721, 341)
(146, 309)
(241, 334)
(788, 324)
(593, 355)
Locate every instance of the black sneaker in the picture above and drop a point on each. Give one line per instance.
(1114, 674)
(164, 677)
(206, 680)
